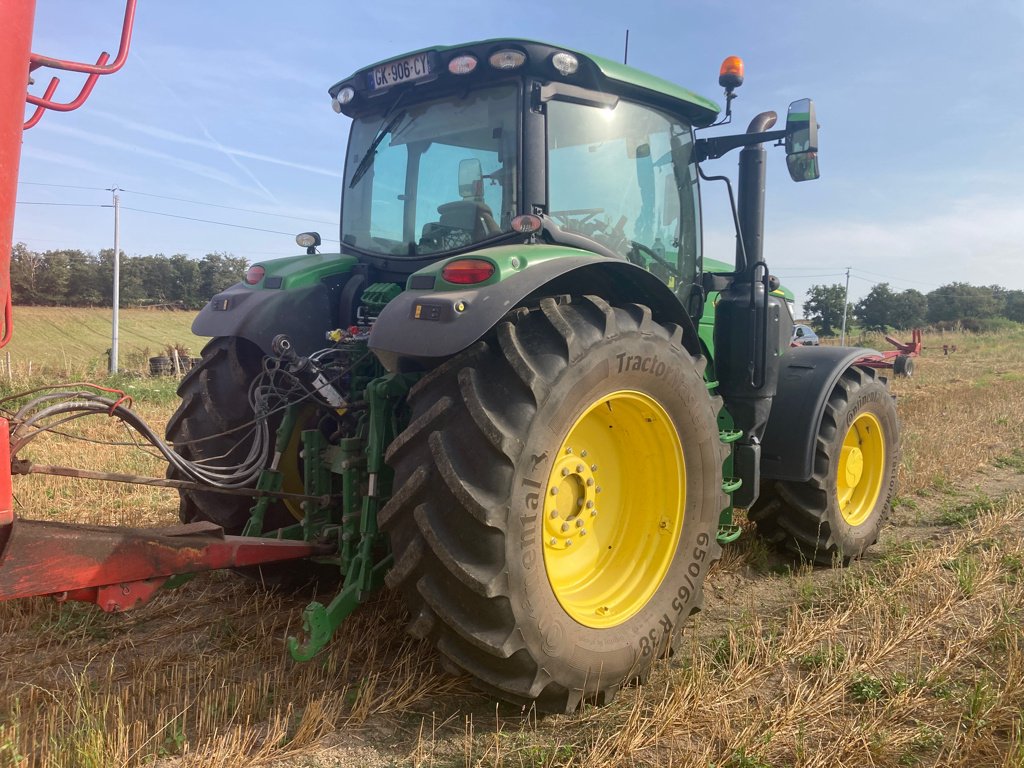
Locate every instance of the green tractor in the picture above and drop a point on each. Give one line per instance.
(519, 393)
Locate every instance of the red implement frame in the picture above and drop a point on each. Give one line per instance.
(887, 359)
(120, 568)
(116, 568)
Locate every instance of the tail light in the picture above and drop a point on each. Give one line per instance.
(467, 271)
(255, 274)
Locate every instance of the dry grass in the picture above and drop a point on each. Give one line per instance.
(911, 657)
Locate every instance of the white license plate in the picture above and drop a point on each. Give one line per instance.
(400, 71)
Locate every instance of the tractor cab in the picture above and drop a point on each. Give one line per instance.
(501, 142)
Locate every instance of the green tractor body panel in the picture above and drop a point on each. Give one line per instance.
(304, 270)
(297, 296)
(435, 319)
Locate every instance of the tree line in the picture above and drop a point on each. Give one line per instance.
(75, 278)
(974, 306)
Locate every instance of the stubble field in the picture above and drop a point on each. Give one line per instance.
(912, 656)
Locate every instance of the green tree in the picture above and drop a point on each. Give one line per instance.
(910, 309)
(1013, 306)
(824, 307)
(960, 301)
(26, 270)
(54, 278)
(875, 311)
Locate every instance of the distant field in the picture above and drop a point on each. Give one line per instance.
(68, 341)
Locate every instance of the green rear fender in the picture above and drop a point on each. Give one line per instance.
(297, 296)
(433, 319)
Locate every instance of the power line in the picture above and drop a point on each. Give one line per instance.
(62, 186)
(69, 205)
(172, 216)
(177, 199)
(229, 207)
(210, 221)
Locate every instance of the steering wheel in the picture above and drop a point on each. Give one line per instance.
(635, 246)
(565, 218)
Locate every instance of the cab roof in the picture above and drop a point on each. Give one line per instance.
(595, 73)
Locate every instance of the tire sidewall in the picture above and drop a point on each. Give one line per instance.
(649, 364)
(873, 398)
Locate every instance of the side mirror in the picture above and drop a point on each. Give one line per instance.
(471, 178)
(802, 141)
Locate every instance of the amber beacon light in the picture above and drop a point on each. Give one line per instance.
(731, 74)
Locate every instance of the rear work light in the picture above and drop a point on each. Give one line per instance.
(507, 59)
(255, 274)
(565, 63)
(467, 271)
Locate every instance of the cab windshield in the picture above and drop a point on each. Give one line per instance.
(432, 177)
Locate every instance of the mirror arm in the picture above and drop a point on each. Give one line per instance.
(717, 146)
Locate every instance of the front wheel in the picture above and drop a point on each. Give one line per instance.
(838, 513)
(558, 494)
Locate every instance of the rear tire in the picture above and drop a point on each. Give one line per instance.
(214, 410)
(837, 514)
(479, 540)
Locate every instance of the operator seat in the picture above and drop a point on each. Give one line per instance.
(462, 222)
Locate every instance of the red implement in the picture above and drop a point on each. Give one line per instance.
(900, 358)
(120, 568)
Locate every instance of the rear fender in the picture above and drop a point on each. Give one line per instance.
(299, 296)
(807, 378)
(420, 328)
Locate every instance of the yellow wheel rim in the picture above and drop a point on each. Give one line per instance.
(291, 465)
(861, 469)
(613, 509)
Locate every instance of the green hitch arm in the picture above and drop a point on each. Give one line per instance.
(270, 478)
(363, 575)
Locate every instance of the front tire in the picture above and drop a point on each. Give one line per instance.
(497, 476)
(837, 514)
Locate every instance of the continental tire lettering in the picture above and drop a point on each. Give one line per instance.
(528, 539)
(648, 642)
(685, 591)
(650, 364)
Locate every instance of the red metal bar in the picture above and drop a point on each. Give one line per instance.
(14, 67)
(100, 67)
(47, 103)
(120, 567)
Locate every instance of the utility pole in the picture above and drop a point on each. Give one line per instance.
(846, 303)
(117, 277)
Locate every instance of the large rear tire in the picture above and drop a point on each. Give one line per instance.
(514, 447)
(214, 411)
(837, 514)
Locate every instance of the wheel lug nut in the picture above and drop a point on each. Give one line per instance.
(583, 531)
(579, 523)
(553, 541)
(568, 542)
(583, 454)
(554, 490)
(565, 471)
(593, 467)
(565, 526)
(598, 489)
(568, 451)
(590, 481)
(554, 513)
(590, 505)
(580, 468)
(593, 513)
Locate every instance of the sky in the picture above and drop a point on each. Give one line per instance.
(222, 113)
